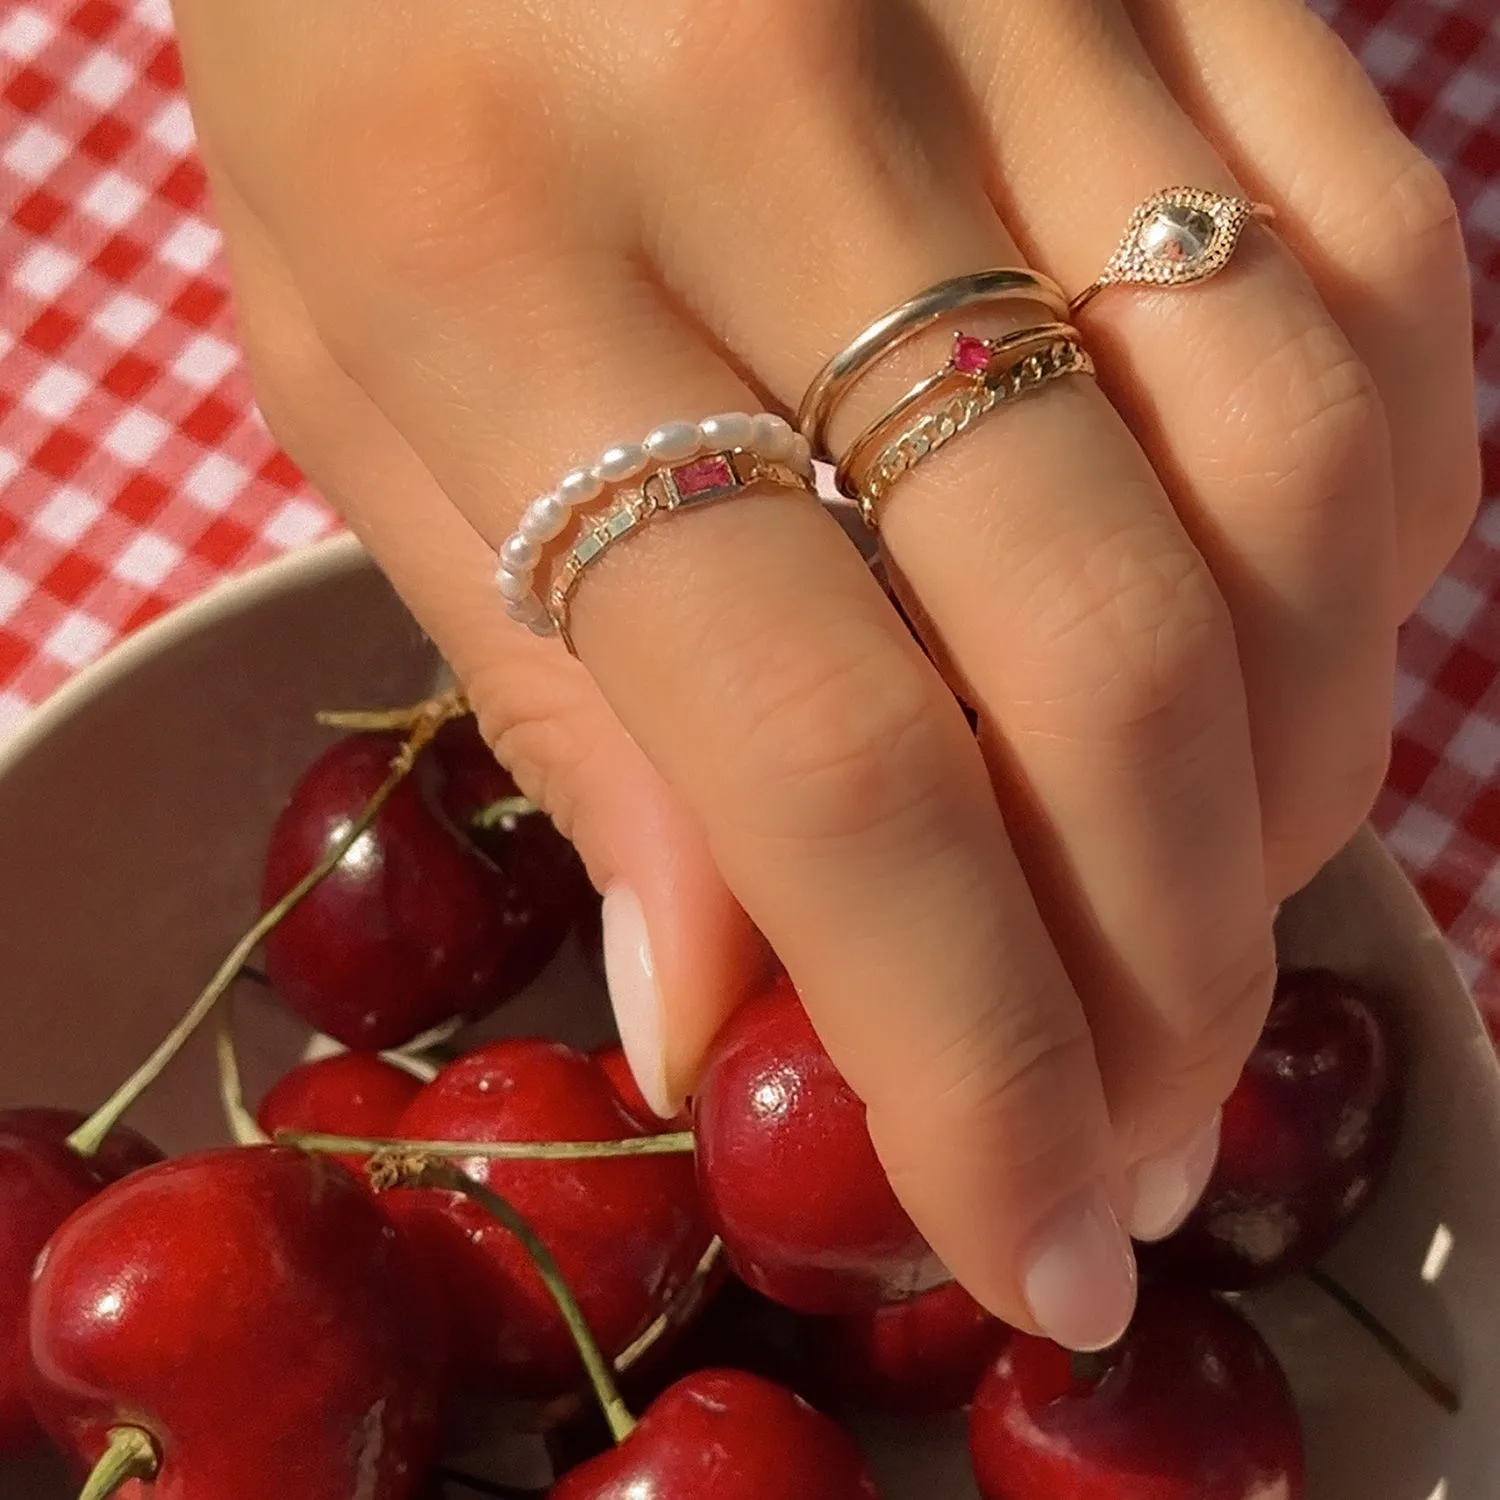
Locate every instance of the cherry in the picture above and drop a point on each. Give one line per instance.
(424, 919)
(1308, 1137)
(789, 1175)
(256, 1316)
(917, 1358)
(611, 1058)
(350, 1093)
(627, 1233)
(42, 1181)
(730, 1435)
(1190, 1405)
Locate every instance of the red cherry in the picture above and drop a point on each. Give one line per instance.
(611, 1058)
(42, 1181)
(253, 1311)
(729, 1435)
(351, 1093)
(916, 1358)
(627, 1233)
(1190, 1405)
(1308, 1137)
(420, 922)
(789, 1176)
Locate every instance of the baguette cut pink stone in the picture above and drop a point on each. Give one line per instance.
(703, 475)
(970, 355)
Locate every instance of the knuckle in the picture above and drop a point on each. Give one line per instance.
(1126, 630)
(841, 747)
(1306, 829)
(1420, 228)
(461, 187)
(1323, 422)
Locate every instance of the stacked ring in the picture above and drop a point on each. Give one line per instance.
(980, 375)
(681, 463)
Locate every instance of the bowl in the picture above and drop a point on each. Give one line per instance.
(134, 808)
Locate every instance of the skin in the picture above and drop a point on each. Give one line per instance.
(474, 244)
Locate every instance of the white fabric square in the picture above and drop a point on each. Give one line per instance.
(204, 361)
(67, 515)
(103, 79)
(295, 524)
(215, 482)
(173, 127)
(1452, 605)
(190, 246)
(13, 708)
(34, 151)
(24, 33)
(147, 560)
(13, 589)
(125, 318)
(46, 271)
(55, 392)
(1476, 746)
(113, 199)
(136, 436)
(78, 640)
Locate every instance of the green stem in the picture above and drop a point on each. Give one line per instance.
(678, 1143)
(504, 813)
(89, 1136)
(677, 1311)
(443, 706)
(410, 1168)
(243, 1126)
(130, 1455)
(1424, 1378)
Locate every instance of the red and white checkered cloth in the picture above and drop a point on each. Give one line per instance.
(134, 469)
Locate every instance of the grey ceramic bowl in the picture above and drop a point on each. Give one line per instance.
(133, 811)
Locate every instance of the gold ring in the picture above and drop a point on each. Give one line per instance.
(952, 401)
(1173, 238)
(886, 333)
(702, 480)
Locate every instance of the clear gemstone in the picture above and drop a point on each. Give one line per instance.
(1177, 236)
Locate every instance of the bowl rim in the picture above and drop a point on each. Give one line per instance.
(333, 555)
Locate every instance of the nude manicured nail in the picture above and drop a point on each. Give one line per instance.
(1166, 1187)
(1079, 1277)
(630, 969)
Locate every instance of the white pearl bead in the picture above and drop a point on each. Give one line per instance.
(772, 437)
(542, 625)
(801, 455)
(620, 462)
(579, 487)
(512, 586)
(544, 519)
(519, 553)
(672, 442)
(731, 429)
(524, 611)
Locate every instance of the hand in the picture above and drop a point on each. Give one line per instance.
(474, 244)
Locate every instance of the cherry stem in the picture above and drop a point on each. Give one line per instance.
(407, 1167)
(130, 1455)
(678, 1143)
(682, 1307)
(243, 1126)
(89, 1136)
(504, 813)
(450, 705)
(1421, 1375)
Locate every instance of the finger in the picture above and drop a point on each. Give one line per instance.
(1298, 121)
(1043, 556)
(537, 707)
(1249, 399)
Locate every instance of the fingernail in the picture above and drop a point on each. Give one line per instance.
(1079, 1282)
(630, 971)
(1166, 1188)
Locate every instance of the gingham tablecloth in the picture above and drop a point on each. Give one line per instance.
(134, 469)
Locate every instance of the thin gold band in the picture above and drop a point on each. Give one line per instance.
(886, 333)
(871, 475)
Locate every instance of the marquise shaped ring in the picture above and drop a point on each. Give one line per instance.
(1173, 238)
